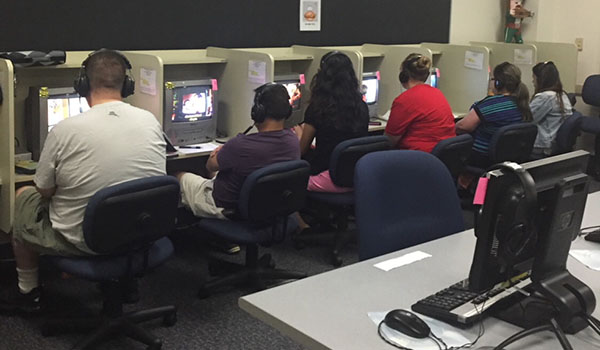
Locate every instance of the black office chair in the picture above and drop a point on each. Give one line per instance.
(591, 95)
(510, 143)
(454, 153)
(567, 133)
(126, 224)
(268, 196)
(341, 170)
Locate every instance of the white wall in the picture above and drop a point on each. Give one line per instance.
(476, 20)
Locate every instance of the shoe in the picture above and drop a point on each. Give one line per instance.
(13, 300)
(226, 247)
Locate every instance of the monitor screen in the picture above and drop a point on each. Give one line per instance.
(369, 89)
(63, 106)
(192, 103)
(294, 88)
(433, 79)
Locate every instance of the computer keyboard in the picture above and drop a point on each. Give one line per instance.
(459, 306)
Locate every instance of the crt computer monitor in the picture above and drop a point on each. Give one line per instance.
(295, 89)
(370, 91)
(190, 114)
(561, 186)
(46, 107)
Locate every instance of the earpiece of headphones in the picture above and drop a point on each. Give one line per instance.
(259, 111)
(516, 234)
(82, 82)
(498, 84)
(404, 77)
(328, 56)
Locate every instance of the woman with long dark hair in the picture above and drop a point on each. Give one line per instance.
(550, 106)
(509, 104)
(336, 112)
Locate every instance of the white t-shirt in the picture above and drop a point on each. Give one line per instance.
(111, 143)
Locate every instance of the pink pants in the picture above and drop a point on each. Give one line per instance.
(322, 183)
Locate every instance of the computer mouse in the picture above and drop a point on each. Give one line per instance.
(407, 323)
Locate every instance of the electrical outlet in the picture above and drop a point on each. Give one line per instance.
(579, 44)
(22, 156)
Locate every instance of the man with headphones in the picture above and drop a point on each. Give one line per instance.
(111, 143)
(243, 154)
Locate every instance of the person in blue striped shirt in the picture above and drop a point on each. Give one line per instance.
(509, 104)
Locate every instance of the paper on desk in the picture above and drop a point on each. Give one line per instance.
(402, 260)
(201, 147)
(449, 334)
(590, 258)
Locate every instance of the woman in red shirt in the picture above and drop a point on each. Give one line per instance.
(421, 116)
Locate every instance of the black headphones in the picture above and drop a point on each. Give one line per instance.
(327, 56)
(404, 76)
(499, 82)
(259, 111)
(516, 232)
(82, 82)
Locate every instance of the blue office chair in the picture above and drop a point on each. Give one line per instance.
(403, 198)
(454, 153)
(567, 133)
(591, 95)
(268, 196)
(341, 170)
(126, 224)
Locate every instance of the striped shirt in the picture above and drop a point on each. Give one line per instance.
(494, 112)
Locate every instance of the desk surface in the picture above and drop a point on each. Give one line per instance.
(329, 311)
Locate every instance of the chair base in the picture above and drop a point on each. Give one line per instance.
(104, 329)
(256, 272)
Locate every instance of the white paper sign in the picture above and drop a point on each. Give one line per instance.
(257, 72)
(310, 15)
(148, 81)
(523, 56)
(402, 260)
(474, 60)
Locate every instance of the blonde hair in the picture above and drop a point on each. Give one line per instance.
(416, 66)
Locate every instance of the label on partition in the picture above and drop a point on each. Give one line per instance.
(474, 59)
(257, 72)
(147, 81)
(523, 56)
(481, 190)
(302, 79)
(215, 85)
(378, 75)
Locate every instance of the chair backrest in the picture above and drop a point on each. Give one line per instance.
(454, 152)
(274, 191)
(591, 90)
(513, 143)
(567, 133)
(131, 214)
(347, 153)
(403, 198)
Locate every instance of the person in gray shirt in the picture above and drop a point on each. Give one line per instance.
(550, 106)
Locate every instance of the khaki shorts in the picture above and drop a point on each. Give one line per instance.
(196, 195)
(32, 226)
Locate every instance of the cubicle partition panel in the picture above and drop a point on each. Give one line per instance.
(564, 56)
(392, 57)
(7, 148)
(464, 73)
(244, 72)
(147, 70)
(523, 56)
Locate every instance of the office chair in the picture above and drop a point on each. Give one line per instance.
(567, 133)
(510, 143)
(591, 95)
(341, 170)
(268, 196)
(454, 153)
(126, 224)
(403, 198)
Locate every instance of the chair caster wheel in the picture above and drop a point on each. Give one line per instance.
(203, 293)
(170, 319)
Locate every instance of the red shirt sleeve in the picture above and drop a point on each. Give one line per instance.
(399, 118)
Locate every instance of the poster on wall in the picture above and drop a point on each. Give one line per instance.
(310, 15)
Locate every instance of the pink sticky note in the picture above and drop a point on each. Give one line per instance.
(480, 191)
(215, 86)
(302, 79)
(378, 75)
(437, 73)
